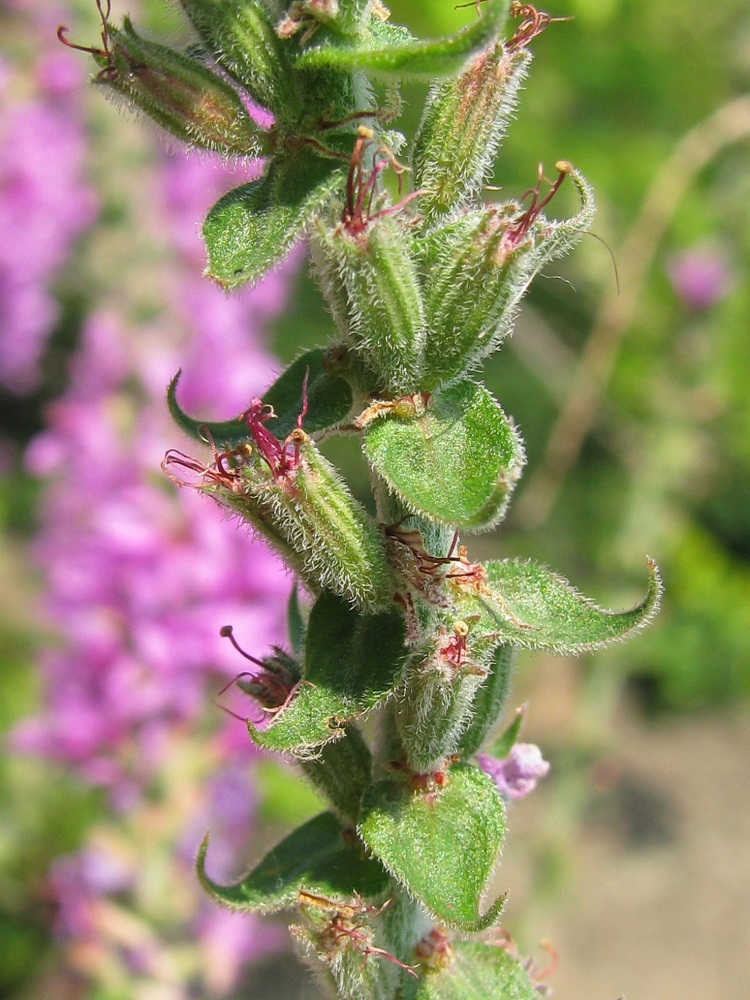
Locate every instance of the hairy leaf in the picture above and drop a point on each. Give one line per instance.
(253, 227)
(352, 663)
(389, 51)
(528, 605)
(440, 845)
(329, 400)
(314, 857)
(455, 463)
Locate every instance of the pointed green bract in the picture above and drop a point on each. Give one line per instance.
(459, 828)
(477, 972)
(252, 228)
(528, 605)
(454, 463)
(353, 662)
(328, 397)
(488, 701)
(329, 400)
(314, 858)
(505, 742)
(388, 52)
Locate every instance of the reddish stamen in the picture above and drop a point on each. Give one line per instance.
(270, 691)
(305, 401)
(362, 184)
(518, 230)
(109, 72)
(272, 451)
(242, 673)
(227, 632)
(533, 24)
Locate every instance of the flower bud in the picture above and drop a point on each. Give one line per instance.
(463, 124)
(241, 36)
(478, 269)
(442, 684)
(179, 93)
(386, 318)
(369, 272)
(297, 501)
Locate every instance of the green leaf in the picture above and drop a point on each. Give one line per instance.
(352, 663)
(528, 605)
(329, 400)
(253, 227)
(440, 845)
(456, 463)
(390, 52)
(314, 858)
(478, 972)
(295, 621)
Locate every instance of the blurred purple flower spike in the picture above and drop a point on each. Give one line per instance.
(43, 208)
(517, 774)
(699, 277)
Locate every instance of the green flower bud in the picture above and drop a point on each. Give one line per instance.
(242, 37)
(177, 92)
(478, 269)
(370, 275)
(463, 125)
(442, 682)
(300, 505)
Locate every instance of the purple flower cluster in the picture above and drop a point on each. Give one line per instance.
(700, 277)
(112, 913)
(46, 201)
(138, 576)
(516, 774)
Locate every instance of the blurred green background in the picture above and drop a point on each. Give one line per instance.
(632, 395)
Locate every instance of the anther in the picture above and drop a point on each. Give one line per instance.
(227, 632)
